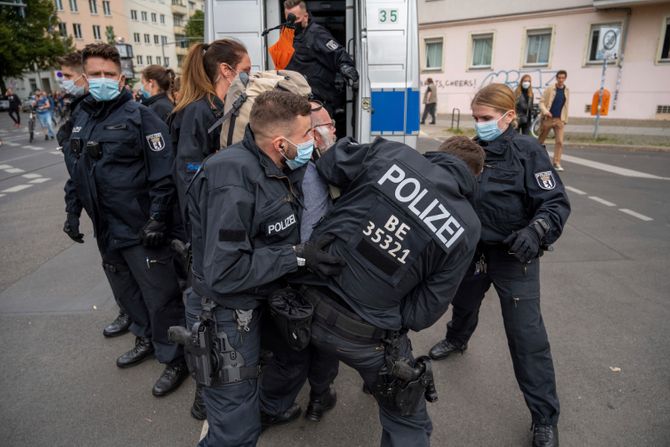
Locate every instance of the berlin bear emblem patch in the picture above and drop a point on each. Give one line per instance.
(545, 180)
(332, 45)
(156, 142)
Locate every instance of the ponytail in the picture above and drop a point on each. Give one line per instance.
(164, 78)
(200, 70)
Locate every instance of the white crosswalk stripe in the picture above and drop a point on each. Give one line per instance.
(40, 180)
(17, 188)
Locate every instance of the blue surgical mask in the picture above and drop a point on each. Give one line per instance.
(489, 130)
(144, 92)
(304, 154)
(72, 89)
(103, 89)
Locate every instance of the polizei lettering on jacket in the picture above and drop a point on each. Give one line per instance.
(416, 194)
(277, 227)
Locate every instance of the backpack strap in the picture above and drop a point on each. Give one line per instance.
(235, 110)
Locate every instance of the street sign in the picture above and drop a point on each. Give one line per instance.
(608, 43)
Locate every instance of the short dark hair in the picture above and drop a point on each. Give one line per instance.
(467, 150)
(288, 4)
(277, 108)
(103, 50)
(72, 60)
(562, 72)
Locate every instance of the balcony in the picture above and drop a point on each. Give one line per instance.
(179, 7)
(605, 4)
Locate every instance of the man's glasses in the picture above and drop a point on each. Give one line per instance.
(331, 124)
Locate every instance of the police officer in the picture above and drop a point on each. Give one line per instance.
(123, 176)
(523, 208)
(319, 57)
(406, 231)
(75, 85)
(157, 89)
(243, 209)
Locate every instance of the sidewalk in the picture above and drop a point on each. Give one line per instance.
(647, 136)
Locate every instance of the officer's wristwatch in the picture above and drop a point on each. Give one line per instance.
(301, 261)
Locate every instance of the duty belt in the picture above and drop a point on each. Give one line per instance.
(329, 308)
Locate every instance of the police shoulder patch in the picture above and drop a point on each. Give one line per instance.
(545, 180)
(156, 142)
(332, 45)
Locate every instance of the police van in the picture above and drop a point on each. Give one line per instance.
(380, 35)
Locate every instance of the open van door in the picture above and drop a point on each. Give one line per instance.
(387, 59)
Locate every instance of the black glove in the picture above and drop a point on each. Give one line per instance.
(317, 260)
(183, 251)
(153, 233)
(71, 228)
(524, 244)
(349, 72)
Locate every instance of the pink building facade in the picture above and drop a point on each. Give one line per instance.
(465, 46)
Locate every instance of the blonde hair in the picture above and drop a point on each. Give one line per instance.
(517, 91)
(497, 96)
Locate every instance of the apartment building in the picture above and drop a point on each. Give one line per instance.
(182, 10)
(466, 45)
(151, 33)
(89, 21)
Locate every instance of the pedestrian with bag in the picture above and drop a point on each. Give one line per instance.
(429, 101)
(524, 104)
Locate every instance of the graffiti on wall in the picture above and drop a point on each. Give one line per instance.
(541, 78)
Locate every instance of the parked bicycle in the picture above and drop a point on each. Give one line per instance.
(32, 117)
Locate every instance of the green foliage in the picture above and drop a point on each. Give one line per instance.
(195, 27)
(109, 33)
(33, 40)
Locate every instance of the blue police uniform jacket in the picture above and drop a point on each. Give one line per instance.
(243, 211)
(132, 179)
(404, 227)
(72, 202)
(517, 187)
(161, 105)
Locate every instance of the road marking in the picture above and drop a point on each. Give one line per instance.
(14, 170)
(33, 148)
(603, 201)
(40, 180)
(56, 152)
(609, 168)
(635, 214)
(17, 188)
(11, 143)
(5, 166)
(575, 190)
(31, 176)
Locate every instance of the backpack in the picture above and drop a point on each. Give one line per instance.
(243, 93)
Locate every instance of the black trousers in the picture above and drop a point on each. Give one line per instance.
(288, 370)
(429, 109)
(15, 116)
(524, 129)
(145, 283)
(518, 287)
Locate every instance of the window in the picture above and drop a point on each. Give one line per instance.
(164, 40)
(62, 29)
(433, 54)
(156, 39)
(166, 61)
(144, 16)
(153, 17)
(139, 60)
(59, 5)
(133, 15)
(482, 49)
(665, 42)
(106, 8)
(178, 20)
(158, 60)
(136, 38)
(147, 38)
(149, 60)
(180, 60)
(93, 6)
(73, 6)
(96, 32)
(604, 38)
(163, 19)
(191, 6)
(76, 29)
(538, 43)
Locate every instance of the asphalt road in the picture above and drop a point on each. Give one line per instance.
(605, 290)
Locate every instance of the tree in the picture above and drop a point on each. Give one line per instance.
(195, 27)
(29, 42)
(109, 33)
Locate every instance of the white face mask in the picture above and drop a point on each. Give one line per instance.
(525, 84)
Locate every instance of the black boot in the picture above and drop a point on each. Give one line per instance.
(443, 349)
(142, 350)
(545, 435)
(117, 327)
(173, 375)
(198, 410)
(320, 404)
(289, 415)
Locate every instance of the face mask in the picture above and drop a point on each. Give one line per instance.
(104, 89)
(525, 84)
(304, 154)
(489, 130)
(72, 89)
(144, 92)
